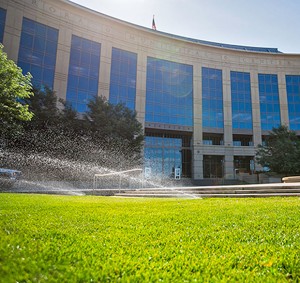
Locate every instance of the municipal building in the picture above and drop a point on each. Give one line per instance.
(204, 106)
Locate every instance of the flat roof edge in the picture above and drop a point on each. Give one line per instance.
(271, 50)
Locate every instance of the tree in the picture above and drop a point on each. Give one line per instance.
(63, 145)
(44, 107)
(116, 124)
(69, 118)
(14, 88)
(281, 152)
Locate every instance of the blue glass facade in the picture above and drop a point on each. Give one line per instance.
(123, 78)
(2, 23)
(269, 101)
(169, 92)
(212, 98)
(293, 97)
(241, 100)
(83, 72)
(166, 78)
(162, 155)
(37, 53)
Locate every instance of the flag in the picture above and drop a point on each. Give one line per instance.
(153, 24)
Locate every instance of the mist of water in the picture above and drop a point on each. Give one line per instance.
(46, 173)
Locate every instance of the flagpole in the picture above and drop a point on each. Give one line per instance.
(153, 24)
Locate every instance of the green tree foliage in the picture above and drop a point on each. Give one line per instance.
(116, 124)
(52, 131)
(109, 136)
(44, 106)
(69, 119)
(281, 152)
(36, 137)
(14, 88)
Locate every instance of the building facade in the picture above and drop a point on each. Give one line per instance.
(204, 106)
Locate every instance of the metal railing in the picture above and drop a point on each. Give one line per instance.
(120, 174)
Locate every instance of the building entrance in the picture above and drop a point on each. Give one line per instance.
(165, 152)
(213, 166)
(243, 163)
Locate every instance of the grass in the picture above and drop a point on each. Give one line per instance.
(46, 238)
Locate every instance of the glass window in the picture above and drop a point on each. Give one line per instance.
(212, 139)
(163, 153)
(242, 163)
(241, 100)
(2, 23)
(83, 72)
(212, 98)
(213, 166)
(269, 101)
(49, 60)
(242, 140)
(123, 78)
(169, 87)
(293, 97)
(37, 53)
(27, 41)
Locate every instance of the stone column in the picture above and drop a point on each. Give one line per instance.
(228, 163)
(284, 112)
(255, 108)
(105, 66)
(141, 77)
(228, 158)
(197, 134)
(12, 32)
(257, 133)
(62, 62)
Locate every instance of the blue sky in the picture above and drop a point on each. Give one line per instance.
(263, 23)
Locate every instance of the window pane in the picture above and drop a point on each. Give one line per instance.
(269, 101)
(293, 96)
(241, 100)
(83, 72)
(123, 78)
(169, 87)
(212, 98)
(37, 53)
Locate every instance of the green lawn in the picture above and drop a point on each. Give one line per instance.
(46, 238)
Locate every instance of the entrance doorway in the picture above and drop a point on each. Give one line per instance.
(213, 166)
(163, 152)
(243, 163)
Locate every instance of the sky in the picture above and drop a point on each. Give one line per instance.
(259, 23)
